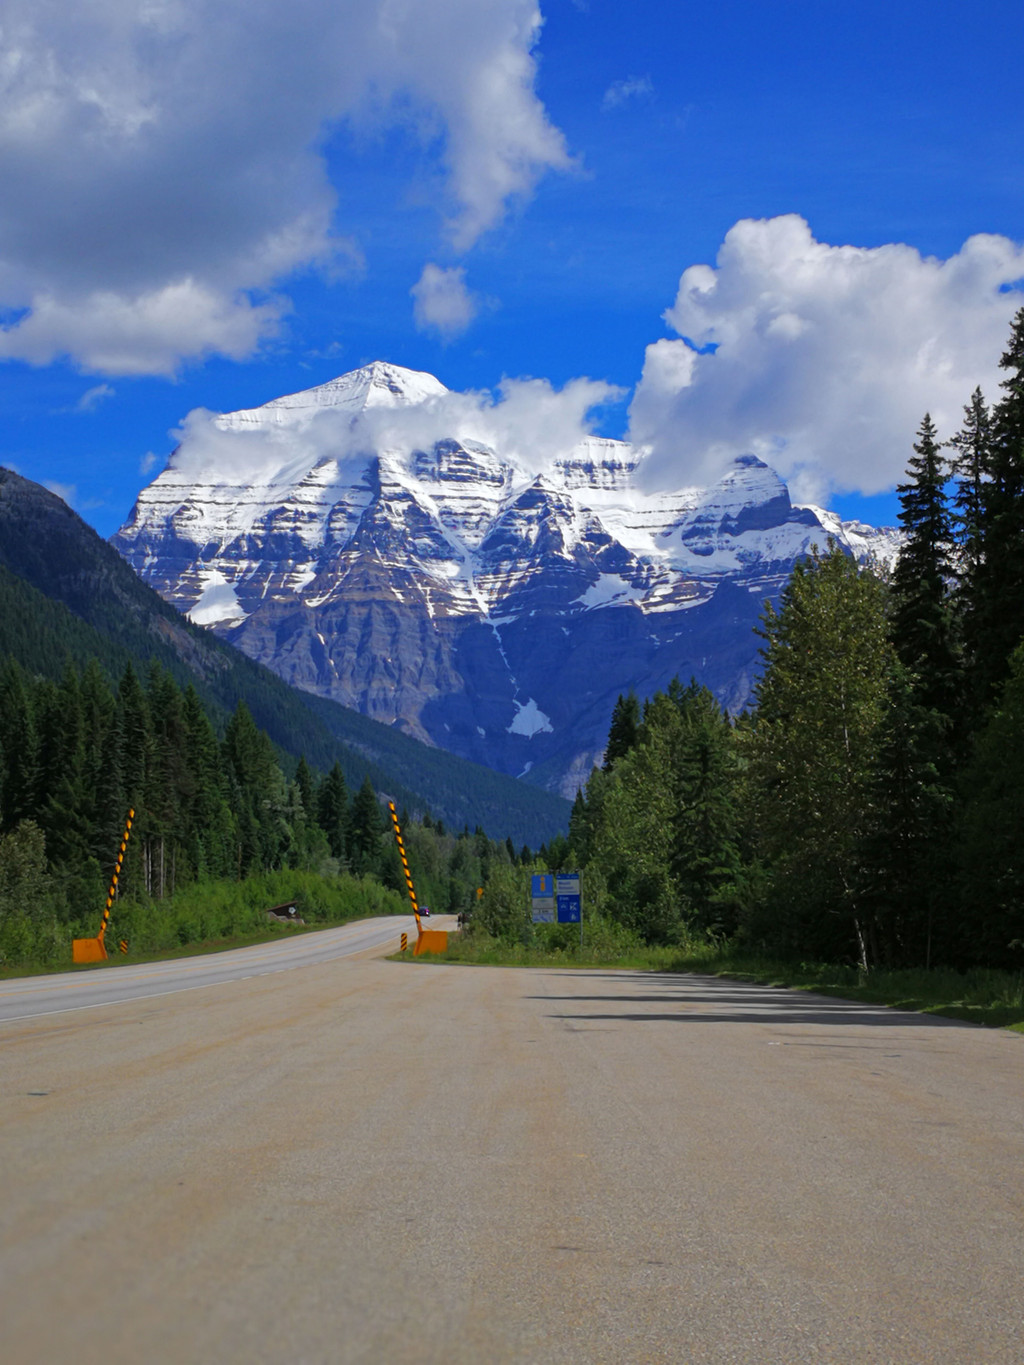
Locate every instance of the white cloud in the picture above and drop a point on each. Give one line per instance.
(529, 422)
(620, 92)
(441, 301)
(821, 359)
(92, 398)
(145, 333)
(148, 463)
(162, 160)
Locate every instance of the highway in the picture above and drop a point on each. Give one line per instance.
(30, 997)
(365, 1161)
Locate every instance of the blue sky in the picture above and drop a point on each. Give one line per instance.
(210, 204)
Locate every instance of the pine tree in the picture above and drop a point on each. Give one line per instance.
(208, 831)
(622, 733)
(997, 601)
(366, 825)
(971, 463)
(306, 787)
(332, 810)
(922, 619)
(907, 866)
(705, 854)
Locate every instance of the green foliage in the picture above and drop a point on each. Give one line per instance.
(222, 909)
(812, 748)
(992, 839)
(33, 910)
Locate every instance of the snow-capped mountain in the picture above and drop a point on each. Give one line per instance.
(437, 583)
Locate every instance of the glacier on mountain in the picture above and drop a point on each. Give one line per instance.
(366, 541)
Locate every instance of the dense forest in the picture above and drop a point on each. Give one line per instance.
(869, 807)
(220, 832)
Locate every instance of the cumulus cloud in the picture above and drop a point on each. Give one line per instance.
(821, 359)
(163, 165)
(529, 422)
(620, 92)
(441, 301)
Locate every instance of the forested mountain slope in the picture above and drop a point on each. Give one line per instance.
(64, 592)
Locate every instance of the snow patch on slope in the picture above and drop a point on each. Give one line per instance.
(529, 720)
(217, 602)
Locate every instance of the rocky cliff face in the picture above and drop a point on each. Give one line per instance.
(438, 585)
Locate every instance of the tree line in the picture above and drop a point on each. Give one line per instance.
(869, 807)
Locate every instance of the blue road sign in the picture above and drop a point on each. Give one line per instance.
(568, 909)
(567, 897)
(542, 897)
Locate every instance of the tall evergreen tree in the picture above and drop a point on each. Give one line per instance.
(971, 463)
(705, 852)
(366, 824)
(332, 810)
(997, 601)
(921, 608)
(306, 786)
(625, 725)
(907, 870)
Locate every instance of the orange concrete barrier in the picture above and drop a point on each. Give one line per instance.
(88, 950)
(431, 941)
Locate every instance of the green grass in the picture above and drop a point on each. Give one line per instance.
(201, 918)
(992, 998)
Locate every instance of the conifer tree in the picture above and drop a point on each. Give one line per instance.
(907, 871)
(306, 787)
(997, 600)
(207, 824)
(922, 619)
(332, 810)
(366, 824)
(973, 447)
(622, 734)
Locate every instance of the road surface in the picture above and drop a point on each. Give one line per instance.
(28, 997)
(364, 1161)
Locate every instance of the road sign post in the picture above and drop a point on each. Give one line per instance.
(555, 899)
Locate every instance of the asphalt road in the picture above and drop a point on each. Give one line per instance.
(29, 997)
(363, 1161)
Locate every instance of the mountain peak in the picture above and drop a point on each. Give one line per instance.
(377, 385)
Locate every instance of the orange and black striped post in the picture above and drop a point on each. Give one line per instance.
(117, 872)
(94, 949)
(427, 940)
(405, 865)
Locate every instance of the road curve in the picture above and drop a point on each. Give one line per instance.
(376, 1163)
(31, 997)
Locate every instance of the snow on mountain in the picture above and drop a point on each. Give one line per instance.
(344, 537)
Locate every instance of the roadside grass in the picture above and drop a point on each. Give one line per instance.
(994, 999)
(204, 917)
